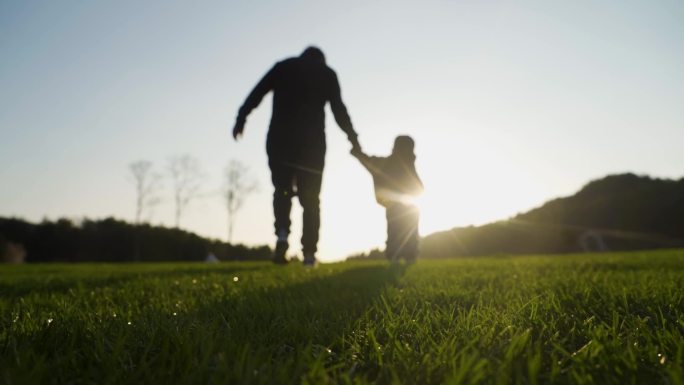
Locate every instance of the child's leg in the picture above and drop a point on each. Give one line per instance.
(393, 244)
(409, 216)
(412, 246)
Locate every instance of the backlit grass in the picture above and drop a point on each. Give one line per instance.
(580, 319)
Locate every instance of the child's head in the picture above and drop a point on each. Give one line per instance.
(403, 147)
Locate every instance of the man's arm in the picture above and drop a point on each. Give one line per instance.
(340, 112)
(253, 100)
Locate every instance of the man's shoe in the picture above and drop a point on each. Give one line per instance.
(310, 260)
(279, 257)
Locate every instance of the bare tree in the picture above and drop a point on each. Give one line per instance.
(187, 177)
(146, 182)
(236, 189)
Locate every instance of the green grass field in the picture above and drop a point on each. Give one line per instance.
(582, 319)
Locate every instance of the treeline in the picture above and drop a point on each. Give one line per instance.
(375, 254)
(112, 240)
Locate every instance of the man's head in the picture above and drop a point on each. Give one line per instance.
(403, 146)
(314, 54)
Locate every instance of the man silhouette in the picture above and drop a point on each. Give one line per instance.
(295, 142)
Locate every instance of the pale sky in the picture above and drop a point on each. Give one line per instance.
(510, 103)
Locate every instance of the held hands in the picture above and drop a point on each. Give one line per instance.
(356, 150)
(356, 146)
(238, 129)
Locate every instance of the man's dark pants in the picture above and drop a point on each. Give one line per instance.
(297, 169)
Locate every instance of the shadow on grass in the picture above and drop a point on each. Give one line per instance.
(283, 334)
(312, 310)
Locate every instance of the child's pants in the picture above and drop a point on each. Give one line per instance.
(402, 232)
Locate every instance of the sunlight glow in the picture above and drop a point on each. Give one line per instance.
(509, 104)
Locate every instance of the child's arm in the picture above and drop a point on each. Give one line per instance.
(363, 158)
(370, 163)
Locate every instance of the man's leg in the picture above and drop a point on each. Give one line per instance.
(309, 181)
(282, 176)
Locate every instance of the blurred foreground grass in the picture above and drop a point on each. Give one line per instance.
(575, 319)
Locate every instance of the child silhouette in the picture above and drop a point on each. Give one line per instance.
(396, 183)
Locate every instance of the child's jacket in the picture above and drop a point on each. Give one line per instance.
(394, 178)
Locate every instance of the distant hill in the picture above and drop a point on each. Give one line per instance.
(618, 212)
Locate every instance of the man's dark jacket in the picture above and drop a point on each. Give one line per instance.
(301, 88)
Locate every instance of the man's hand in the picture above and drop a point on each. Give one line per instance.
(238, 129)
(356, 152)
